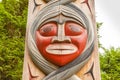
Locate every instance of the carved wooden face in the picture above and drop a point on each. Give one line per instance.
(61, 43)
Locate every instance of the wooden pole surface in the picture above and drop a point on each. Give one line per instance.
(89, 71)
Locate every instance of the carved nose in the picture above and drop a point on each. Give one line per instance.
(63, 40)
(61, 35)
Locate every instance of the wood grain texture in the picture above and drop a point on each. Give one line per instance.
(90, 71)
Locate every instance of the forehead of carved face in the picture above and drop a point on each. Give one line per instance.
(61, 43)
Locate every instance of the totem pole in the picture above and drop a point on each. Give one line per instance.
(61, 41)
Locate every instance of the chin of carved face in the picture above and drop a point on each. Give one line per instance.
(61, 44)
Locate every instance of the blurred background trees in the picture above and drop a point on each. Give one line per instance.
(110, 64)
(13, 19)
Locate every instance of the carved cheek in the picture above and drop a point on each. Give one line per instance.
(44, 36)
(42, 42)
(78, 35)
(80, 41)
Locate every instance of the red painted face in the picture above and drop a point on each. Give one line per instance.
(61, 44)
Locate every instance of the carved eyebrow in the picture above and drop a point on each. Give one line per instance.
(77, 22)
(47, 21)
(66, 19)
(46, 1)
(62, 1)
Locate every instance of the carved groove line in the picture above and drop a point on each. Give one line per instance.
(87, 3)
(36, 5)
(91, 71)
(31, 77)
(46, 14)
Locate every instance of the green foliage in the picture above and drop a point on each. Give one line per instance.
(98, 35)
(109, 61)
(110, 64)
(13, 16)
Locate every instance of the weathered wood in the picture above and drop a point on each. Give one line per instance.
(89, 71)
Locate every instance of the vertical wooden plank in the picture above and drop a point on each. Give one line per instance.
(87, 69)
(30, 71)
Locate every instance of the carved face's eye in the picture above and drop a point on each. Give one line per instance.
(73, 29)
(49, 29)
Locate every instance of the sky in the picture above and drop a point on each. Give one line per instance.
(108, 12)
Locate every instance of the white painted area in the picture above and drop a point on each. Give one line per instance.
(108, 12)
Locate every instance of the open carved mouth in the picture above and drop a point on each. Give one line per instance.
(61, 49)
